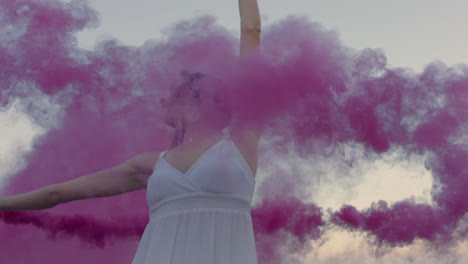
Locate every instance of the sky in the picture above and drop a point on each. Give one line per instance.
(412, 33)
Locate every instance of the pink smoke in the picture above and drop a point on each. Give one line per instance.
(305, 85)
(86, 228)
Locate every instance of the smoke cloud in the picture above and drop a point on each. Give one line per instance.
(311, 91)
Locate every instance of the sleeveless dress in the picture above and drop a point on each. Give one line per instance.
(201, 216)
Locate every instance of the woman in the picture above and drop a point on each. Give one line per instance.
(199, 191)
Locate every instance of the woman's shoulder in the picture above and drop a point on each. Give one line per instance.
(246, 137)
(246, 133)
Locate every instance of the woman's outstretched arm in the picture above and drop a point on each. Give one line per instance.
(39, 199)
(128, 176)
(250, 25)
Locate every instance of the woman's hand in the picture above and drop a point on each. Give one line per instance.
(250, 25)
(250, 15)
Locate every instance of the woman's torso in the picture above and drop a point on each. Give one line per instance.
(220, 168)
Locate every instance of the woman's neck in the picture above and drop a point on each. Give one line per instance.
(193, 134)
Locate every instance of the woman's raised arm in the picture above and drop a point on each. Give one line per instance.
(249, 40)
(250, 25)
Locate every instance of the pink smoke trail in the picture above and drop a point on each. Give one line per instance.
(86, 228)
(307, 87)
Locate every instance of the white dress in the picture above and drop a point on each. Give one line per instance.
(202, 216)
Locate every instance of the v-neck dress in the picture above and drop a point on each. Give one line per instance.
(201, 216)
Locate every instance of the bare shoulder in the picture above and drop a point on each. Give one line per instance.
(246, 137)
(144, 162)
(246, 133)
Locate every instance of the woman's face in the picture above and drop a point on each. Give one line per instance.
(171, 105)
